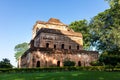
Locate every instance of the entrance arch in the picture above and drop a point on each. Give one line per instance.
(47, 45)
(38, 64)
(62, 46)
(79, 63)
(77, 47)
(58, 63)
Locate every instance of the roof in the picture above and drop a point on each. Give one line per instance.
(52, 21)
(61, 32)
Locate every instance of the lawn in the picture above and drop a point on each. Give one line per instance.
(81, 75)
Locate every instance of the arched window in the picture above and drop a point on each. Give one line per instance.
(79, 63)
(62, 46)
(47, 45)
(54, 46)
(69, 47)
(58, 63)
(77, 47)
(38, 64)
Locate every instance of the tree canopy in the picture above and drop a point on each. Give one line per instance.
(5, 63)
(106, 33)
(103, 32)
(82, 27)
(112, 3)
(20, 49)
(106, 29)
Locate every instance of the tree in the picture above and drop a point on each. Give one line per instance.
(5, 63)
(82, 27)
(109, 59)
(113, 2)
(20, 49)
(105, 31)
(96, 63)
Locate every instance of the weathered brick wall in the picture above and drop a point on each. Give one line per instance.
(51, 58)
(58, 40)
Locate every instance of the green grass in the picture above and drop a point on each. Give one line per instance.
(81, 75)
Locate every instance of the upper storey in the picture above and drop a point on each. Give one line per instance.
(56, 39)
(55, 34)
(52, 23)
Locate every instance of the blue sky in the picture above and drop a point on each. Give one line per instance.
(17, 18)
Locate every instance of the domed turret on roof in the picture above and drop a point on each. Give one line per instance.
(54, 20)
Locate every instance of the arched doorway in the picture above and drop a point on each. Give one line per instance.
(62, 46)
(77, 47)
(58, 63)
(54, 46)
(47, 45)
(38, 64)
(69, 47)
(79, 63)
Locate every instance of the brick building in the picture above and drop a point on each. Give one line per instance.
(52, 43)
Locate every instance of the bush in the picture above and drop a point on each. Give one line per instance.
(55, 69)
(96, 63)
(5, 63)
(69, 63)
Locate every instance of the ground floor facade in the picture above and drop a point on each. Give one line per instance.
(52, 58)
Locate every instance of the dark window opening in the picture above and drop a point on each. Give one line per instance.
(79, 63)
(69, 47)
(38, 64)
(54, 46)
(47, 45)
(62, 46)
(77, 47)
(58, 63)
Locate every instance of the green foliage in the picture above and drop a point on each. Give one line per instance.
(109, 59)
(113, 2)
(69, 63)
(103, 33)
(82, 27)
(20, 49)
(54, 69)
(118, 65)
(105, 30)
(5, 63)
(96, 63)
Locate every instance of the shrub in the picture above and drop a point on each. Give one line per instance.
(96, 63)
(69, 63)
(55, 69)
